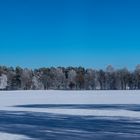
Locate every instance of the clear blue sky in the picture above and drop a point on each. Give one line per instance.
(89, 33)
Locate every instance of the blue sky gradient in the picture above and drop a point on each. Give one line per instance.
(89, 33)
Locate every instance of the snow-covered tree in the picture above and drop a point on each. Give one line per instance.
(3, 82)
(72, 78)
(36, 83)
(90, 79)
(26, 79)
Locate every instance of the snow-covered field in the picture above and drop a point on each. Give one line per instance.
(10, 99)
(39, 108)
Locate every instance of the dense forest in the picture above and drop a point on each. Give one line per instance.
(70, 78)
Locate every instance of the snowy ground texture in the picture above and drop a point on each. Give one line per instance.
(71, 115)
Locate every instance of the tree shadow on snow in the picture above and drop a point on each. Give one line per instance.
(45, 126)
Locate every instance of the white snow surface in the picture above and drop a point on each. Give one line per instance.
(8, 136)
(8, 99)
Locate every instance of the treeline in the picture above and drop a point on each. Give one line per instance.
(70, 78)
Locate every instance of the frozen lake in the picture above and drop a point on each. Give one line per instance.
(72, 115)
